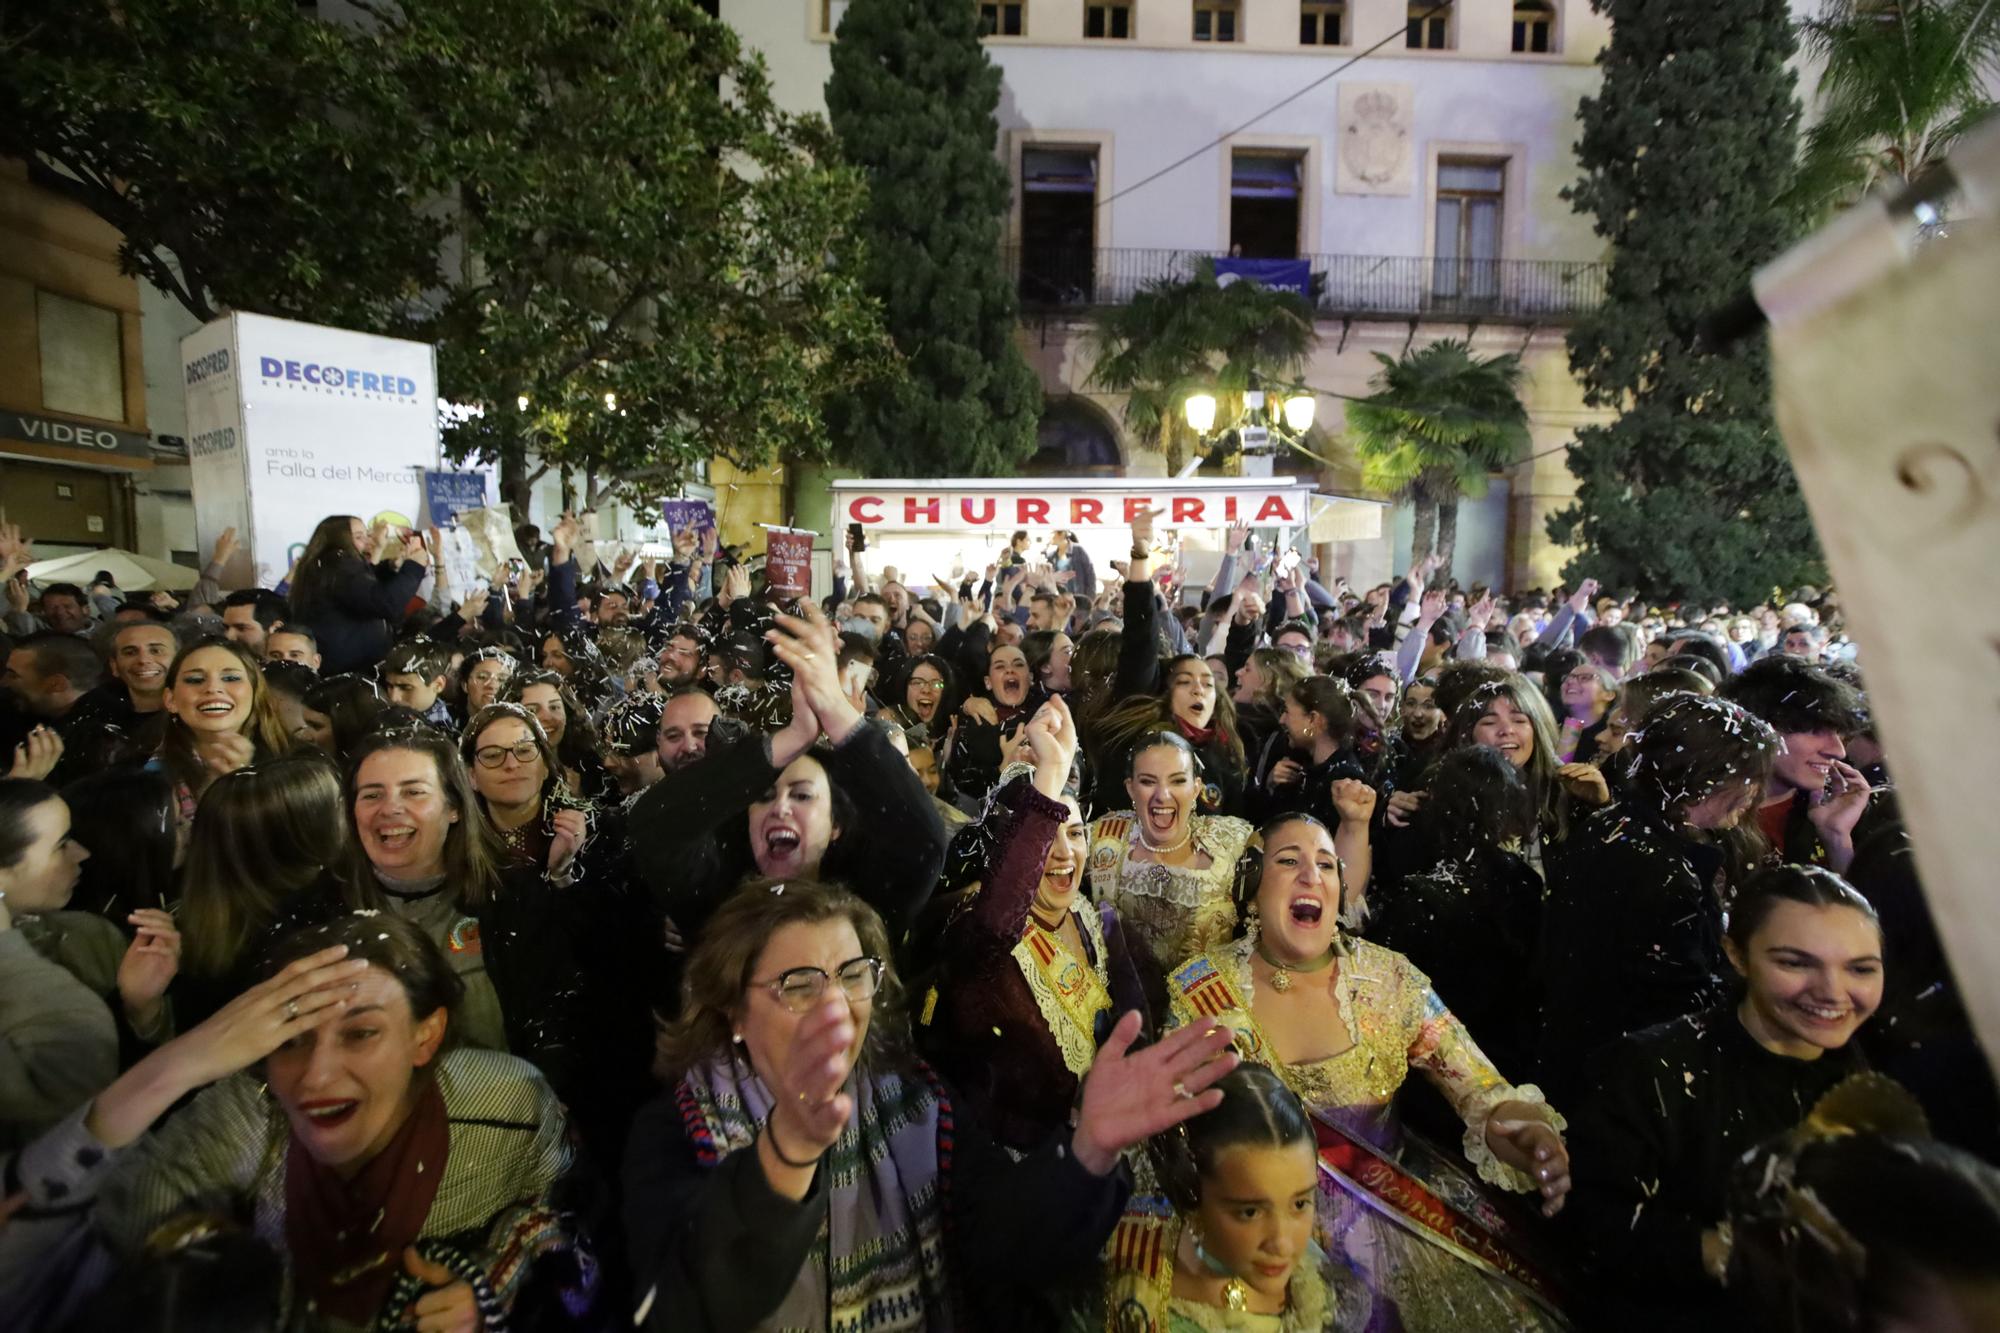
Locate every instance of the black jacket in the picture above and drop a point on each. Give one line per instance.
(354, 617)
(1472, 926)
(1669, 1114)
(1631, 935)
(715, 1249)
(691, 839)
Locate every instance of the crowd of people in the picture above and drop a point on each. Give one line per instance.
(1012, 950)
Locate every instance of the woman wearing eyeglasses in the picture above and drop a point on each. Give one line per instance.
(564, 855)
(921, 695)
(807, 1172)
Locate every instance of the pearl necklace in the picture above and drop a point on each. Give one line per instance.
(1149, 845)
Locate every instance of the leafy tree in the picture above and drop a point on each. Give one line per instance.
(1176, 339)
(1687, 151)
(1899, 84)
(1439, 422)
(590, 206)
(912, 101)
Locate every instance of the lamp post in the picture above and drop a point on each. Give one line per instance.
(1290, 414)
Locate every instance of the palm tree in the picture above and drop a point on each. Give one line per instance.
(1440, 420)
(1175, 339)
(1901, 83)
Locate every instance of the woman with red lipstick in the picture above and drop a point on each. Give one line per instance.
(1675, 1107)
(1168, 870)
(407, 1180)
(1344, 1023)
(1029, 975)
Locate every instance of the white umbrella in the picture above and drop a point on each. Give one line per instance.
(131, 571)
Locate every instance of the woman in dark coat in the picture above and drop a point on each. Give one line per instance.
(1632, 929)
(1675, 1108)
(783, 806)
(351, 606)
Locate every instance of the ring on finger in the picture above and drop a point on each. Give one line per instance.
(1181, 1092)
(291, 1011)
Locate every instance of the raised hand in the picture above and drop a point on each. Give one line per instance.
(474, 605)
(17, 591)
(1430, 608)
(149, 964)
(227, 752)
(571, 829)
(37, 756)
(1403, 806)
(1353, 801)
(562, 537)
(808, 645)
(1130, 1096)
(1579, 601)
(305, 996)
(225, 546)
(808, 1107)
(1585, 782)
(16, 551)
(449, 1306)
(1238, 534)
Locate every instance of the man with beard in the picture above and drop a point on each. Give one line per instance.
(976, 750)
(680, 658)
(684, 728)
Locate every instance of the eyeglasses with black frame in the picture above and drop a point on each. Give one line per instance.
(800, 988)
(493, 756)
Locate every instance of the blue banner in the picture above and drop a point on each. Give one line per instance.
(1289, 275)
(446, 493)
(696, 516)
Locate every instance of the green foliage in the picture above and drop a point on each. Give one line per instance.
(1899, 85)
(912, 100)
(572, 199)
(1175, 339)
(1687, 154)
(1439, 422)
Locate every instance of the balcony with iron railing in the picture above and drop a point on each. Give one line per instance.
(1541, 291)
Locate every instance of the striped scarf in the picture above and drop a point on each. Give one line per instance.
(880, 1264)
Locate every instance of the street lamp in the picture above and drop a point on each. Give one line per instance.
(1299, 409)
(1200, 409)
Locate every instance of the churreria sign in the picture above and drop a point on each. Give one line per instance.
(337, 378)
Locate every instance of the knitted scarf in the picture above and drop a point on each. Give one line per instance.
(880, 1265)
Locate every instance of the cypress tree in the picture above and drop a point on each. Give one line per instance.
(1687, 153)
(912, 102)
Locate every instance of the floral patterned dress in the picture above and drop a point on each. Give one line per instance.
(1169, 912)
(1397, 1024)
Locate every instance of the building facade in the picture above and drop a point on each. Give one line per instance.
(1423, 184)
